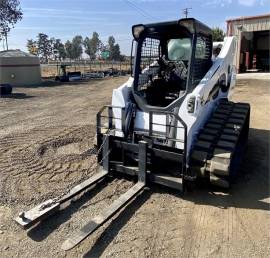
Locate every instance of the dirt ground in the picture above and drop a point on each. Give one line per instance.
(45, 137)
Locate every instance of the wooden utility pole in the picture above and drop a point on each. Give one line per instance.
(6, 42)
(186, 11)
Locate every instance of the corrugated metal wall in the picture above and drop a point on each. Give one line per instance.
(238, 26)
(20, 71)
(249, 25)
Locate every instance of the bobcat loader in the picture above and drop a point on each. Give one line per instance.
(171, 123)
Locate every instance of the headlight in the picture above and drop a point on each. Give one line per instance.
(191, 104)
(188, 23)
(137, 30)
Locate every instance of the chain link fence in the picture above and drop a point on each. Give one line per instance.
(52, 69)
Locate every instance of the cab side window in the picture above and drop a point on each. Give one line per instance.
(202, 62)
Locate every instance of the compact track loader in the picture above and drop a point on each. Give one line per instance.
(171, 123)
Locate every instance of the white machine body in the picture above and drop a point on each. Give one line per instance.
(223, 67)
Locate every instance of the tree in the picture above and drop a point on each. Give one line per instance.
(10, 13)
(77, 48)
(59, 49)
(92, 45)
(32, 46)
(115, 53)
(44, 46)
(69, 50)
(218, 34)
(111, 42)
(87, 47)
(114, 49)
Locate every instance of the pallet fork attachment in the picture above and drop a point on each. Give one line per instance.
(47, 208)
(108, 212)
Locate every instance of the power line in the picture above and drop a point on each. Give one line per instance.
(141, 11)
(136, 8)
(139, 8)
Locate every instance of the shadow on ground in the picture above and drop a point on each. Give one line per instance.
(16, 96)
(251, 186)
(52, 83)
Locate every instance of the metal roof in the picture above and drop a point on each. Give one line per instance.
(169, 28)
(262, 16)
(15, 53)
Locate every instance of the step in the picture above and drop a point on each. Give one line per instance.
(215, 120)
(220, 116)
(207, 137)
(167, 180)
(162, 179)
(210, 131)
(230, 131)
(237, 121)
(222, 110)
(119, 167)
(229, 138)
(202, 145)
(226, 145)
(238, 115)
(213, 126)
(240, 110)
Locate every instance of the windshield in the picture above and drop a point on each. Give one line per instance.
(179, 49)
(163, 70)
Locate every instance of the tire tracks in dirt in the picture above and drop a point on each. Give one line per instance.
(24, 164)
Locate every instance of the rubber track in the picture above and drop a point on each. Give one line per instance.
(220, 142)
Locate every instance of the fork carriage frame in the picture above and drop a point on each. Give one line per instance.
(115, 156)
(120, 154)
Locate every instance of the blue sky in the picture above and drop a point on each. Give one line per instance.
(66, 18)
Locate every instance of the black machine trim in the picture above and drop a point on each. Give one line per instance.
(190, 28)
(125, 149)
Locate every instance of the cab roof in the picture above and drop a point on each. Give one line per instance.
(182, 26)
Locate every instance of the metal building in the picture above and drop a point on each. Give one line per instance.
(19, 68)
(253, 45)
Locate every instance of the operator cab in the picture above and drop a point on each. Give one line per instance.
(170, 58)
